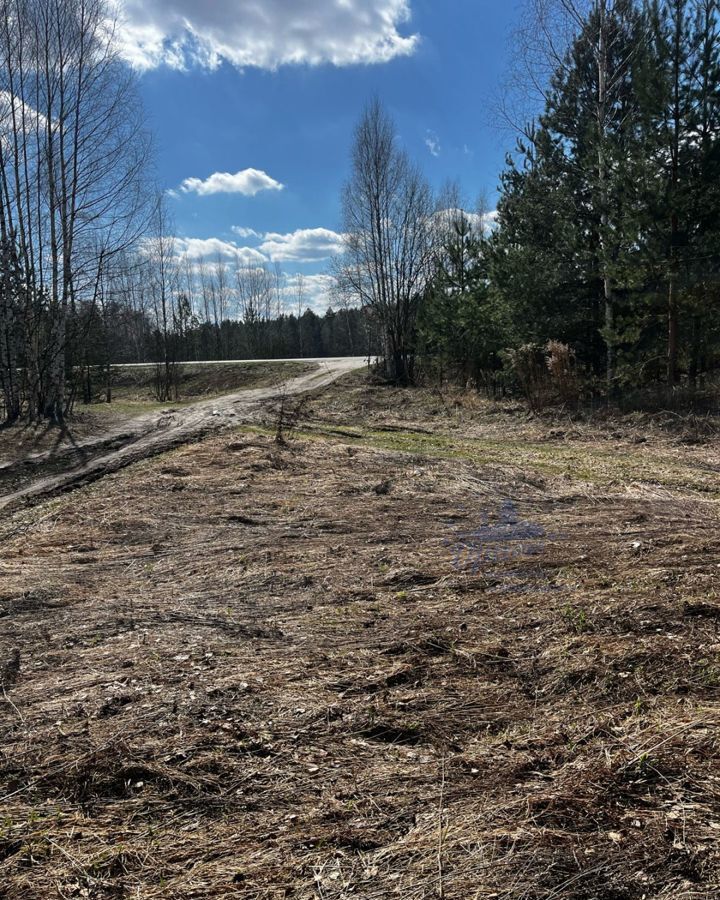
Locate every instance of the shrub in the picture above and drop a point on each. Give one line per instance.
(544, 374)
(528, 368)
(561, 364)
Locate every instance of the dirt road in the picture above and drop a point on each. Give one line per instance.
(44, 475)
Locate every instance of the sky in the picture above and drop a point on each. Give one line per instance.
(252, 105)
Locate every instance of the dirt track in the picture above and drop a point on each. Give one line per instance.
(45, 475)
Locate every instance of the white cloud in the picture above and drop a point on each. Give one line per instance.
(247, 182)
(303, 245)
(485, 222)
(27, 118)
(489, 221)
(245, 233)
(267, 34)
(317, 293)
(211, 249)
(432, 142)
(317, 290)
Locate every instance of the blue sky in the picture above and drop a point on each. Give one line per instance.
(269, 93)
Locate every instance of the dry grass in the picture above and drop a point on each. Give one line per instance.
(335, 670)
(452, 409)
(199, 380)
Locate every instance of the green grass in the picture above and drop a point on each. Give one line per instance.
(580, 461)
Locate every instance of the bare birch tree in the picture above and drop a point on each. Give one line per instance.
(256, 290)
(163, 278)
(387, 218)
(72, 159)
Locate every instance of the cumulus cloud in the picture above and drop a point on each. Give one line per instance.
(317, 292)
(179, 33)
(303, 245)
(247, 182)
(210, 249)
(481, 222)
(28, 118)
(489, 221)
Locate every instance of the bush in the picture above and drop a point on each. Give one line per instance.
(544, 374)
(561, 364)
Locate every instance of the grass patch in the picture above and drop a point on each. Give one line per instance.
(590, 462)
(196, 381)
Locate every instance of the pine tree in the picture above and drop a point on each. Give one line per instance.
(456, 320)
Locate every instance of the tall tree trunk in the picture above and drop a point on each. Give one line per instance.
(672, 312)
(672, 308)
(608, 294)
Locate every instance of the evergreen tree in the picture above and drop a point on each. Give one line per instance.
(456, 320)
(608, 215)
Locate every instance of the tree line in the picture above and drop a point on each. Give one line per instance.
(599, 268)
(604, 256)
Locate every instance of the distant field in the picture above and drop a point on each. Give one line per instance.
(136, 384)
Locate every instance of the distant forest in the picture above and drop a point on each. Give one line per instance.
(347, 332)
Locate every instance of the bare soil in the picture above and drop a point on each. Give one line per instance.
(420, 650)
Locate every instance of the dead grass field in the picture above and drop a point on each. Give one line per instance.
(428, 649)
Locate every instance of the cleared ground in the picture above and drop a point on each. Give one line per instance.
(78, 461)
(133, 393)
(428, 648)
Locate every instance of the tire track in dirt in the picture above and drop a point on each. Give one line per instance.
(149, 435)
